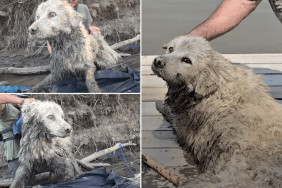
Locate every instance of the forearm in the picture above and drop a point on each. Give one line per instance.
(226, 17)
(7, 98)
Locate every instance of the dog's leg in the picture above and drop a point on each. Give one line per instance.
(50, 79)
(23, 175)
(91, 83)
(164, 110)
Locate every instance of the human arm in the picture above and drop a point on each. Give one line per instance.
(7, 98)
(225, 18)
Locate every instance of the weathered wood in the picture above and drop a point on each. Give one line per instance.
(4, 83)
(30, 70)
(156, 82)
(4, 14)
(123, 43)
(105, 151)
(149, 109)
(171, 176)
(157, 123)
(237, 58)
(171, 157)
(257, 68)
(159, 139)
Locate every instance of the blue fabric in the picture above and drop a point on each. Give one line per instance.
(11, 89)
(109, 81)
(98, 178)
(17, 126)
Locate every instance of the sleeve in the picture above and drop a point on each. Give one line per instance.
(88, 16)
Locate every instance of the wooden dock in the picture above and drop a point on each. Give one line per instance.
(158, 140)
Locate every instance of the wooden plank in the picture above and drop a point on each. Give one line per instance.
(159, 139)
(257, 68)
(156, 82)
(151, 123)
(171, 157)
(149, 109)
(153, 94)
(236, 58)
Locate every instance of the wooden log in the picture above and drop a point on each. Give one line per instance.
(4, 83)
(165, 172)
(105, 151)
(123, 43)
(30, 70)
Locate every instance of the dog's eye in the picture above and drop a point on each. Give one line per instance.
(170, 49)
(52, 14)
(37, 17)
(186, 60)
(51, 117)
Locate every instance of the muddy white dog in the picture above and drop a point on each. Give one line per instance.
(74, 52)
(45, 144)
(223, 114)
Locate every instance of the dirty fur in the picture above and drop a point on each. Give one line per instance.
(224, 115)
(74, 51)
(45, 144)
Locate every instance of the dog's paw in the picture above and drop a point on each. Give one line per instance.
(160, 105)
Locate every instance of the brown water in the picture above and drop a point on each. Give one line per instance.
(162, 20)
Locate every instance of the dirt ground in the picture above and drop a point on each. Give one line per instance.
(21, 59)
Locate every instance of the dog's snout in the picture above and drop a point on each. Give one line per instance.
(159, 62)
(68, 129)
(32, 31)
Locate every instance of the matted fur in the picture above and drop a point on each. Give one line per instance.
(73, 50)
(45, 144)
(223, 114)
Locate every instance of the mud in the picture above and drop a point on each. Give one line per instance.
(20, 59)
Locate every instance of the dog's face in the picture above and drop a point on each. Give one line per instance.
(52, 18)
(187, 62)
(47, 117)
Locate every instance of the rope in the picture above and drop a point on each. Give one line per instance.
(118, 156)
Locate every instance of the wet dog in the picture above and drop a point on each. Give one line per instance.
(74, 52)
(223, 114)
(45, 144)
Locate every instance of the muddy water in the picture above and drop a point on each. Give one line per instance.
(162, 20)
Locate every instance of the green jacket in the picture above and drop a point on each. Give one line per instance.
(7, 118)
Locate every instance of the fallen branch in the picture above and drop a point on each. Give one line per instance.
(123, 43)
(106, 151)
(4, 83)
(30, 70)
(171, 176)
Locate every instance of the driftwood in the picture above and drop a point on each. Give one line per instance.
(123, 43)
(106, 151)
(85, 162)
(165, 172)
(4, 83)
(45, 69)
(30, 70)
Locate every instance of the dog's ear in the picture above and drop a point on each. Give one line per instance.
(208, 83)
(165, 46)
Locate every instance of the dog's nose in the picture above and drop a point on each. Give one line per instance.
(68, 130)
(159, 62)
(32, 31)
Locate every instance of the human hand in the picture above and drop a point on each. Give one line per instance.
(29, 100)
(95, 30)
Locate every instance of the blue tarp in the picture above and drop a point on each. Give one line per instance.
(98, 178)
(109, 81)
